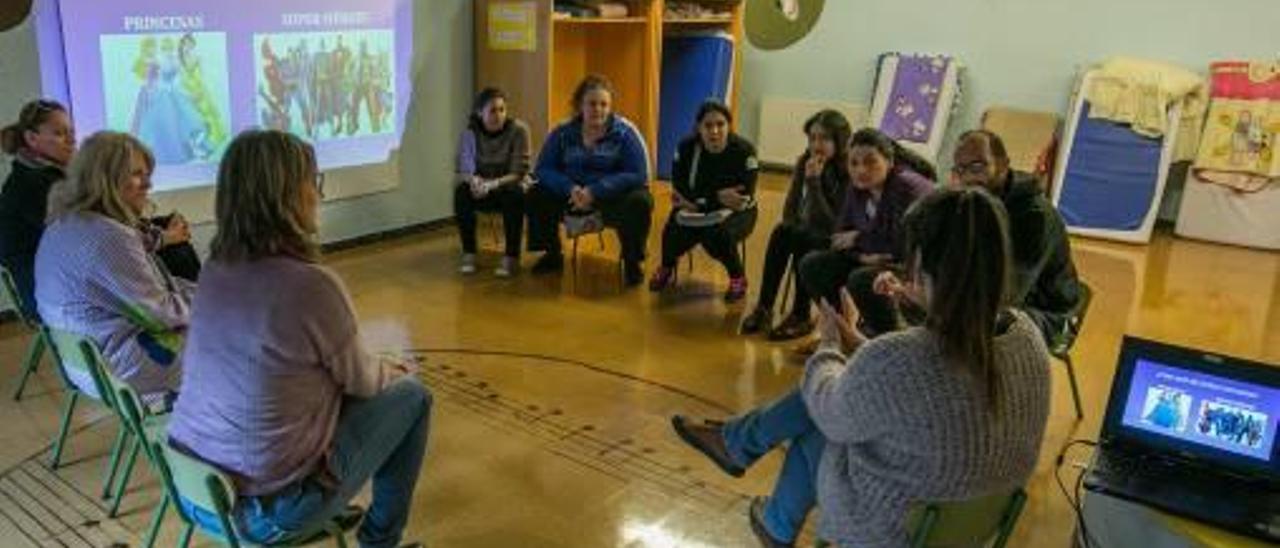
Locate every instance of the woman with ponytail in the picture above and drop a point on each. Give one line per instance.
(41, 142)
(493, 162)
(950, 410)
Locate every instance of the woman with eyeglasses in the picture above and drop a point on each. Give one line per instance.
(97, 275)
(290, 404)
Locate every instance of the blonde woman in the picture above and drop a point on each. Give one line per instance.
(96, 275)
(275, 351)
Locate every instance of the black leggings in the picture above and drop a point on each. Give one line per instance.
(787, 244)
(720, 241)
(507, 199)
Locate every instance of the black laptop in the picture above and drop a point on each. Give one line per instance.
(1193, 434)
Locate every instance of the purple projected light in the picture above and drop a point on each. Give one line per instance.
(186, 77)
(1204, 409)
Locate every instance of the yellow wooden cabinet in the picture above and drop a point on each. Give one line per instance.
(538, 58)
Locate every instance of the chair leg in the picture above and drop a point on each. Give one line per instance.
(1010, 520)
(125, 475)
(113, 464)
(575, 258)
(339, 538)
(1075, 389)
(67, 410)
(185, 540)
(157, 518)
(35, 351)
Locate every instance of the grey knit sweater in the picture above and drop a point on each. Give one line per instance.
(903, 426)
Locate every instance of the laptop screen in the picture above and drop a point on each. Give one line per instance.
(1204, 409)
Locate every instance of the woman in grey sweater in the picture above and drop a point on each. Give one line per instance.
(951, 410)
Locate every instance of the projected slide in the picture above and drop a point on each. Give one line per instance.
(333, 91)
(174, 97)
(185, 77)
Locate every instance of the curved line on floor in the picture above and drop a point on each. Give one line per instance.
(578, 363)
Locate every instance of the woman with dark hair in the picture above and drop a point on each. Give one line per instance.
(713, 185)
(977, 377)
(289, 403)
(493, 162)
(42, 143)
(885, 180)
(818, 186)
(595, 163)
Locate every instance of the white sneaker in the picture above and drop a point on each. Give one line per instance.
(508, 267)
(468, 264)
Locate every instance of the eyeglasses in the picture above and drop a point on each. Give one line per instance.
(320, 183)
(972, 168)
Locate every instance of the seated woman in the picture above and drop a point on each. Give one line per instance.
(42, 143)
(275, 352)
(713, 185)
(493, 162)
(96, 274)
(595, 162)
(818, 188)
(886, 179)
(952, 410)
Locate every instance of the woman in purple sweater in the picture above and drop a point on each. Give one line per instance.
(289, 403)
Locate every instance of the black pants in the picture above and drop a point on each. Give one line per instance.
(181, 259)
(508, 199)
(630, 214)
(880, 314)
(720, 241)
(787, 244)
(823, 273)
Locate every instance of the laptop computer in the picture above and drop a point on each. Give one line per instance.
(1194, 434)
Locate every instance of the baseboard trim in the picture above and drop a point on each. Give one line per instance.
(395, 233)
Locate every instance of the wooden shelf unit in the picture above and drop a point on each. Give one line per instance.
(540, 82)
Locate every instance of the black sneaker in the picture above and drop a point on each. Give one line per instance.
(632, 273)
(550, 263)
(760, 319)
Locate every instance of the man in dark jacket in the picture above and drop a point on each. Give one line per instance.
(1045, 283)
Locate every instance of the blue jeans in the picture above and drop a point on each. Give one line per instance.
(383, 438)
(750, 436)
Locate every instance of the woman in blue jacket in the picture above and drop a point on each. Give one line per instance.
(595, 162)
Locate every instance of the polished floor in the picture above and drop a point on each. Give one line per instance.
(553, 394)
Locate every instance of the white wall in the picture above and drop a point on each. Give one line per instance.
(1018, 53)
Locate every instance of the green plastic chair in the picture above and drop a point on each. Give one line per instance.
(150, 428)
(1065, 341)
(205, 487)
(982, 522)
(74, 352)
(35, 349)
(986, 521)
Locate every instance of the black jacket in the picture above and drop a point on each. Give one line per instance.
(1045, 282)
(734, 167)
(24, 202)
